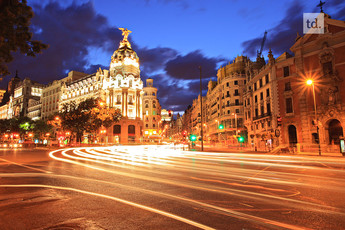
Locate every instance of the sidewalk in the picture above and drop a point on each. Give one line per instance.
(246, 150)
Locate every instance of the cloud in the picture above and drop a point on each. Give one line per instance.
(154, 59)
(72, 30)
(69, 31)
(187, 66)
(282, 36)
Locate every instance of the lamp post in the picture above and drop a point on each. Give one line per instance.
(202, 134)
(235, 122)
(218, 130)
(310, 82)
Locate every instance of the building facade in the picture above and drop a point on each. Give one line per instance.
(321, 58)
(119, 87)
(23, 92)
(51, 94)
(151, 111)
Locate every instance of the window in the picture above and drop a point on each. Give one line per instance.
(154, 105)
(267, 79)
(236, 92)
(118, 98)
(227, 94)
(237, 102)
(288, 104)
(262, 109)
(119, 82)
(260, 82)
(248, 114)
(255, 88)
(245, 81)
(147, 125)
(130, 99)
(130, 83)
(227, 84)
(154, 125)
(287, 86)
(248, 101)
(256, 112)
(268, 123)
(228, 111)
(286, 71)
(268, 106)
(154, 94)
(146, 106)
(237, 111)
(267, 92)
(261, 96)
(235, 82)
(256, 98)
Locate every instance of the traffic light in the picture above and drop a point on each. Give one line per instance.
(221, 126)
(279, 121)
(192, 137)
(240, 139)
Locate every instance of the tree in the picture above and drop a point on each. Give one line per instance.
(15, 33)
(87, 116)
(40, 128)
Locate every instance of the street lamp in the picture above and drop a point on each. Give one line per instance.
(310, 82)
(235, 122)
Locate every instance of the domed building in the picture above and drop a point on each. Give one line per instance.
(120, 87)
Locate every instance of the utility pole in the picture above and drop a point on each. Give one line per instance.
(201, 131)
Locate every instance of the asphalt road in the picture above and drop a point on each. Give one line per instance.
(157, 187)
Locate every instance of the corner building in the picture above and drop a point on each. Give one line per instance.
(120, 87)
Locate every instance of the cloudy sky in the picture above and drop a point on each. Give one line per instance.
(171, 37)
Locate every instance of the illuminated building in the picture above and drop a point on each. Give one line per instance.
(51, 94)
(119, 87)
(319, 57)
(23, 92)
(4, 112)
(261, 104)
(151, 110)
(34, 109)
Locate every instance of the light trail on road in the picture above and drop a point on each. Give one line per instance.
(220, 184)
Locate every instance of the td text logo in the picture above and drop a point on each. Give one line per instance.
(313, 23)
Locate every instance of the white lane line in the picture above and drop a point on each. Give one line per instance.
(147, 208)
(25, 166)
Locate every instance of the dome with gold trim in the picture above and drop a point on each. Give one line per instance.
(125, 58)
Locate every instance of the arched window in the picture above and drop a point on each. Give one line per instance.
(117, 129)
(146, 105)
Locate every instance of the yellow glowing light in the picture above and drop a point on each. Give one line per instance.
(309, 82)
(146, 132)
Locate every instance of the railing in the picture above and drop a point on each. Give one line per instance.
(262, 116)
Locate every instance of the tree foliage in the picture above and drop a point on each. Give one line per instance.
(87, 116)
(15, 17)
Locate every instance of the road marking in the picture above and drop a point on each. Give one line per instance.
(256, 174)
(147, 208)
(25, 166)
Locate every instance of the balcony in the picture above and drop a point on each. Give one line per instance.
(262, 116)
